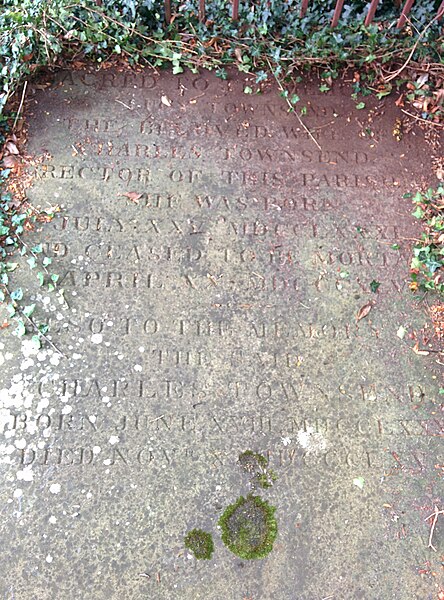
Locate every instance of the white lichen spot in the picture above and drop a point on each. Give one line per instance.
(20, 444)
(29, 348)
(138, 367)
(18, 493)
(66, 409)
(55, 488)
(55, 360)
(26, 364)
(25, 474)
(97, 338)
(114, 439)
(97, 449)
(52, 520)
(76, 356)
(286, 441)
(107, 461)
(311, 440)
(49, 559)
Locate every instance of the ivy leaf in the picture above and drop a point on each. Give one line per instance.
(28, 310)
(32, 262)
(248, 90)
(47, 261)
(418, 212)
(374, 285)
(20, 330)
(17, 294)
(36, 342)
(360, 105)
(41, 278)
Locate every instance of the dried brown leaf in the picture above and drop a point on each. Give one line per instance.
(238, 54)
(11, 148)
(165, 100)
(364, 310)
(11, 161)
(416, 350)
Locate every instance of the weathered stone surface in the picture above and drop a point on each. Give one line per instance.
(214, 261)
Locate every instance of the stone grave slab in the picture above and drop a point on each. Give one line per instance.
(215, 261)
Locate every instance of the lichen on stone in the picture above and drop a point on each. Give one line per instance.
(200, 543)
(249, 527)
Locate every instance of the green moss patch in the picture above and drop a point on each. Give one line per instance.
(256, 465)
(249, 527)
(200, 543)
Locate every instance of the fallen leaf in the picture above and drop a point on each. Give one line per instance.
(364, 310)
(11, 148)
(401, 332)
(359, 482)
(165, 100)
(416, 350)
(133, 196)
(238, 54)
(11, 161)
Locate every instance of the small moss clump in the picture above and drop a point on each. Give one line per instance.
(256, 465)
(200, 543)
(249, 527)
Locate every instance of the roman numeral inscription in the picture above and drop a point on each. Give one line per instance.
(212, 263)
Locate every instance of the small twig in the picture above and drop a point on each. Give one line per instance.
(42, 335)
(412, 52)
(439, 125)
(125, 105)
(34, 326)
(25, 85)
(292, 107)
(435, 516)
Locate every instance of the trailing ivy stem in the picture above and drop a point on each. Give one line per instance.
(412, 52)
(25, 85)
(281, 87)
(25, 245)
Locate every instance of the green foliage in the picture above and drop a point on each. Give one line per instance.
(39, 33)
(200, 543)
(15, 220)
(427, 266)
(249, 527)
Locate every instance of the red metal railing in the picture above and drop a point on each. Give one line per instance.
(304, 6)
